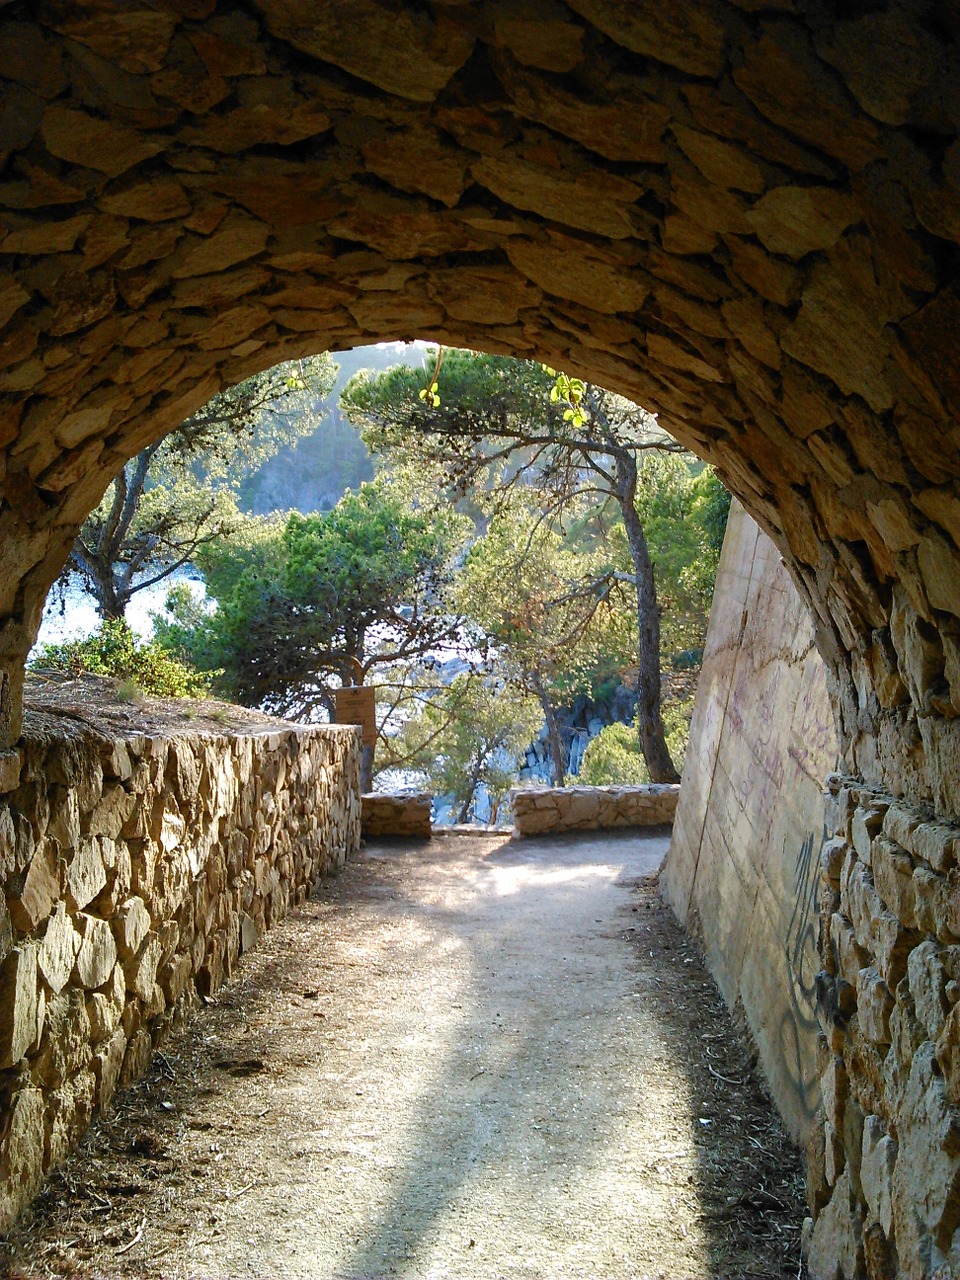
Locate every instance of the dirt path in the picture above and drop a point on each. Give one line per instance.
(476, 1058)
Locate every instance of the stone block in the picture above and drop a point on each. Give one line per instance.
(836, 1247)
(138, 1056)
(878, 1158)
(10, 764)
(850, 958)
(18, 1003)
(862, 904)
(832, 857)
(926, 1178)
(106, 1065)
(66, 1043)
(892, 948)
(866, 824)
(927, 980)
(893, 879)
(175, 976)
(899, 823)
(141, 970)
(58, 950)
(935, 842)
(249, 933)
(948, 1055)
(874, 1006)
(41, 888)
(97, 954)
(130, 926)
(69, 1110)
(104, 1014)
(64, 824)
(86, 874)
(21, 1153)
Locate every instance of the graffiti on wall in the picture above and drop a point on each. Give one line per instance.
(798, 1024)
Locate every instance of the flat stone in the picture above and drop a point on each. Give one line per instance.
(141, 970)
(797, 220)
(131, 926)
(837, 333)
(148, 201)
(567, 198)
(99, 144)
(787, 84)
(687, 37)
(874, 1006)
(566, 269)
(243, 238)
(21, 1153)
(97, 955)
(136, 41)
(876, 1171)
(86, 874)
(58, 951)
(411, 55)
(106, 1065)
(18, 1003)
(35, 239)
(41, 888)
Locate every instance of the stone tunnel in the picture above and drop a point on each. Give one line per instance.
(743, 214)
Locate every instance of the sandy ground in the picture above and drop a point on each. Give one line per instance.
(469, 1058)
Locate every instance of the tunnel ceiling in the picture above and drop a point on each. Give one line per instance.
(744, 215)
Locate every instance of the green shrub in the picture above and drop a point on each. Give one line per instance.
(614, 759)
(114, 650)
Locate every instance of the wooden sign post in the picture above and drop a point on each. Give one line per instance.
(357, 704)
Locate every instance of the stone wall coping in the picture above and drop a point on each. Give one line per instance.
(41, 728)
(640, 788)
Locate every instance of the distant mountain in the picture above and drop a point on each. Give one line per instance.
(313, 474)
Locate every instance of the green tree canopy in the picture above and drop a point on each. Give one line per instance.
(305, 604)
(508, 424)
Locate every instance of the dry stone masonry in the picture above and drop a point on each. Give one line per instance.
(541, 810)
(884, 1182)
(743, 214)
(388, 814)
(135, 871)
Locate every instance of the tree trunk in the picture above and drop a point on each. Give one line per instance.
(649, 720)
(553, 731)
(99, 579)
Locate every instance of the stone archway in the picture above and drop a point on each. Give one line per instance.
(743, 215)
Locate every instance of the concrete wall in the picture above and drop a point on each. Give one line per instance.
(135, 870)
(742, 871)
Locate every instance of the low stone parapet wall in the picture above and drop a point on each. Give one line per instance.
(539, 810)
(136, 869)
(393, 814)
(884, 1171)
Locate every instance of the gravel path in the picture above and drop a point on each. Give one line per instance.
(473, 1058)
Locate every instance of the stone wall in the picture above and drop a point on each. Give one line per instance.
(884, 1171)
(543, 810)
(742, 868)
(384, 814)
(136, 870)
